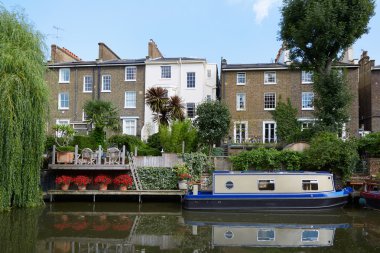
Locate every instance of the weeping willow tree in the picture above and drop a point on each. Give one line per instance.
(23, 111)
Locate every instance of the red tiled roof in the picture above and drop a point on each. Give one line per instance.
(71, 54)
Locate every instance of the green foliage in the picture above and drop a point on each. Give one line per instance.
(288, 127)
(65, 133)
(23, 111)
(315, 42)
(370, 144)
(267, 159)
(85, 141)
(180, 131)
(329, 153)
(49, 142)
(154, 141)
(158, 178)
(332, 102)
(131, 142)
(213, 122)
(103, 115)
(164, 109)
(197, 163)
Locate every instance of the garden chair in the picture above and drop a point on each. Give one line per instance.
(88, 156)
(113, 156)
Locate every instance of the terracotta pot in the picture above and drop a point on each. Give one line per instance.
(182, 185)
(123, 188)
(65, 187)
(103, 187)
(81, 187)
(65, 157)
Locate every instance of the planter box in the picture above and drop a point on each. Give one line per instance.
(65, 157)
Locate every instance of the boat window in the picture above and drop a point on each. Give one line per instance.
(265, 235)
(266, 185)
(309, 185)
(310, 235)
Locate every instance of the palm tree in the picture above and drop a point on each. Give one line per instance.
(164, 109)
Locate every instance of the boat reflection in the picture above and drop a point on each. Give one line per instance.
(270, 230)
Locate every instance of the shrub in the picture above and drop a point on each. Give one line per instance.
(329, 153)
(197, 163)
(131, 142)
(370, 144)
(181, 131)
(290, 160)
(84, 141)
(158, 178)
(154, 141)
(259, 159)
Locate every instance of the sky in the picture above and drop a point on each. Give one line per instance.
(241, 31)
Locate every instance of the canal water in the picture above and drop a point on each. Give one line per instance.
(75, 227)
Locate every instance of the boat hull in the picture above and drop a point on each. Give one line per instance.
(257, 203)
(372, 199)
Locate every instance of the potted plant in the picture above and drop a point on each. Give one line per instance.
(82, 182)
(183, 175)
(103, 182)
(123, 181)
(63, 136)
(64, 182)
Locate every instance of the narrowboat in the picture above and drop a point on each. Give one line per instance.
(371, 195)
(277, 191)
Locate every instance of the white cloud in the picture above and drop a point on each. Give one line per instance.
(261, 8)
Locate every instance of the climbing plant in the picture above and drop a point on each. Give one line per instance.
(23, 111)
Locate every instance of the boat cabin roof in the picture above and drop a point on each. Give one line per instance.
(271, 172)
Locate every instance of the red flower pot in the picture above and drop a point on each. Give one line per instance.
(103, 187)
(81, 187)
(65, 187)
(123, 188)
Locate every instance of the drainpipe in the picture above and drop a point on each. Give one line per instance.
(76, 95)
(99, 82)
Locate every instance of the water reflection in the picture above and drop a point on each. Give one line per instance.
(165, 227)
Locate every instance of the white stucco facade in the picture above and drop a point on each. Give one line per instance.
(202, 74)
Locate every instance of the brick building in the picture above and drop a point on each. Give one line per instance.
(73, 81)
(251, 91)
(369, 94)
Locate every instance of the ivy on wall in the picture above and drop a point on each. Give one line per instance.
(158, 178)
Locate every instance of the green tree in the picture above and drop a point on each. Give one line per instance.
(103, 115)
(288, 127)
(165, 109)
(23, 111)
(317, 33)
(213, 122)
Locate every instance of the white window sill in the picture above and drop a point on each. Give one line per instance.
(63, 109)
(87, 91)
(64, 82)
(130, 80)
(106, 91)
(190, 88)
(307, 109)
(240, 83)
(129, 107)
(269, 83)
(307, 82)
(269, 109)
(240, 110)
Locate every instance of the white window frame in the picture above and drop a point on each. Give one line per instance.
(239, 77)
(166, 72)
(127, 74)
(134, 122)
(62, 75)
(194, 110)
(190, 80)
(307, 77)
(85, 84)
(130, 103)
(84, 116)
(267, 77)
(60, 107)
(267, 239)
(304, 106)
(265, 104)
(241, 139)
(270, 137)
(238, 107)
(103, 79)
